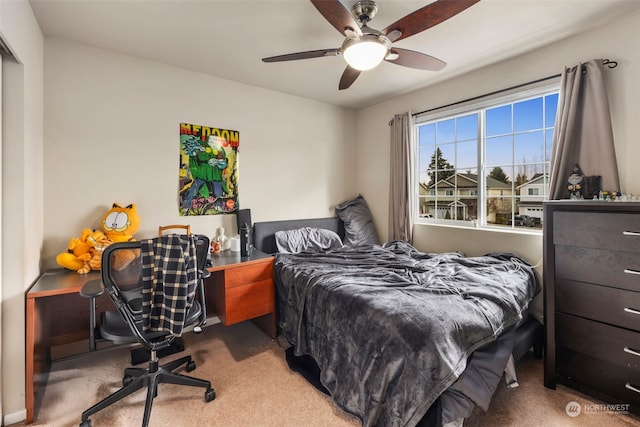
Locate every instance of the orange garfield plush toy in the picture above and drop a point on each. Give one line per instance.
(84, 253)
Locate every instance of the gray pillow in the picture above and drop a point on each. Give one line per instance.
(358, 223)
(306, 239)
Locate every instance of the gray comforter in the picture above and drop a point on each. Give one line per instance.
(391, 327)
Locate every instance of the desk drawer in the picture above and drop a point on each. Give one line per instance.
(249, 301)
(615, 345)
(622, 308)
(249, 273)
(616, 231)
(603, 267)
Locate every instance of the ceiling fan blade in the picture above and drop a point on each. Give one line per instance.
(348, 77)
(413, 59)
(426, 17)
(303, 55)
(337, 15)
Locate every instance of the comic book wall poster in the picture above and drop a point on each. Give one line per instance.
(208, 183)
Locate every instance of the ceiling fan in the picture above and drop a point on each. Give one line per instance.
(364, 47)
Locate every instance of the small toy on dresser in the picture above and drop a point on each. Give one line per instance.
(575, 183)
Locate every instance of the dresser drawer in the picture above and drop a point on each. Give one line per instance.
(248, 273)
(598, 340)
(604, 230)
(620, 307)
(249, 301)
(604, 267)
(608, 382)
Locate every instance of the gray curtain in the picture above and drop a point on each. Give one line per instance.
(583, 133)
(401, 188)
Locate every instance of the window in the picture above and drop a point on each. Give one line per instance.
(487, 163)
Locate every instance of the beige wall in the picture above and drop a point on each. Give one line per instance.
(617, 41)
(112, 126)
(22, 228)
(476, 242)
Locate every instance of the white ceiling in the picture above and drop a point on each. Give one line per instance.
(228, 38)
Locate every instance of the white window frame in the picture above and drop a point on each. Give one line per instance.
(514, 95)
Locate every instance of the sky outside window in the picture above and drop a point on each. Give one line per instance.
(517, 140)
(515, 134)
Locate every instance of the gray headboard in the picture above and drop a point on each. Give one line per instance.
(264, 232)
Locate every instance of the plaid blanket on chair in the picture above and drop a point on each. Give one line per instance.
(169, 276)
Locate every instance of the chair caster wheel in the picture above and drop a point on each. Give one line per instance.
(126, 380)
(209, 395)
(191, 366)
(85, 423)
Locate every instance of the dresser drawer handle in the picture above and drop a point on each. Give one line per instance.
(631, 233)
(631, 310)
(630, 271)
(630, 351)
(632, 388)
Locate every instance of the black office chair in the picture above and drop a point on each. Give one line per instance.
(123, 265)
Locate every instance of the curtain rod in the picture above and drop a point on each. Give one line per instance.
(607, 62)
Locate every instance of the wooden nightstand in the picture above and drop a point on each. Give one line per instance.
(241, 288)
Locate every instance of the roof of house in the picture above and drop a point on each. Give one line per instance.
(534, 179)
(469, 180)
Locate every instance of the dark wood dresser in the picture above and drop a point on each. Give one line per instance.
(592, 298)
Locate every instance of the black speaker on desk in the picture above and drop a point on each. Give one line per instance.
(243, 216)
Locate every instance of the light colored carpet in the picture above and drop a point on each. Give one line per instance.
(255, 387)
(533, 405)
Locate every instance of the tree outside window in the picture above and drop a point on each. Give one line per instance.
(467, 161)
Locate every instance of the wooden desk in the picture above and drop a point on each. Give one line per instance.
(239, 289)
(55, 314)
(242, 289)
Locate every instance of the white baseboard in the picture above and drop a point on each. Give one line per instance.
(16, 417)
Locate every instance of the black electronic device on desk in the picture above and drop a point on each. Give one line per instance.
(245, 241)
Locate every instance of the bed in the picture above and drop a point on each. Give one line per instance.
(396, 336)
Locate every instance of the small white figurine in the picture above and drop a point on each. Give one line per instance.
(222, 239)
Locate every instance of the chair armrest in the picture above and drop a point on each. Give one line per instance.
(92, 289)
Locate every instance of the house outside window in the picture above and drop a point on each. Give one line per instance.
(487, 163)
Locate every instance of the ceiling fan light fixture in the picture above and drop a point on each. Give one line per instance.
(365, 47)
(365, 52)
